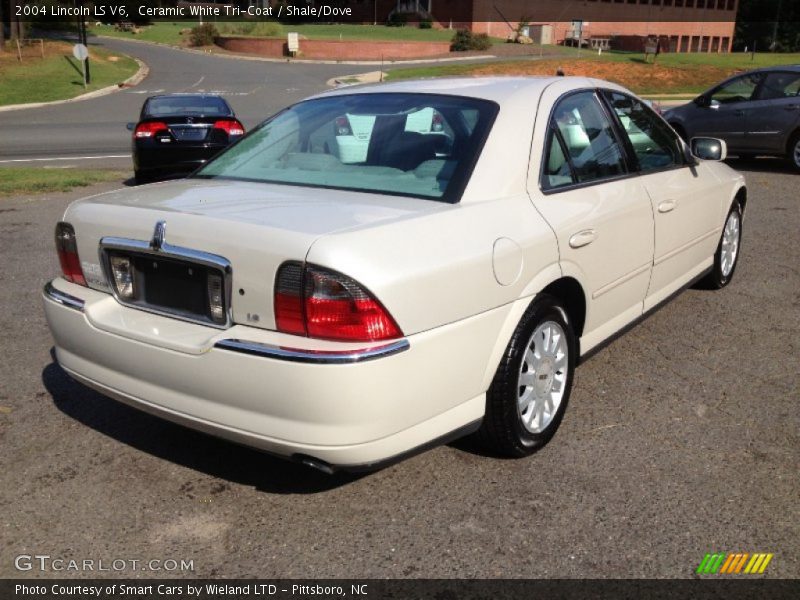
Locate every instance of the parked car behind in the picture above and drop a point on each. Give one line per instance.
(344, 314)
(177, 133)
(756, 113)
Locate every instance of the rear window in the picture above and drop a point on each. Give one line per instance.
(418, 145)
(181, 105)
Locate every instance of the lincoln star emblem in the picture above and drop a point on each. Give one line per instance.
(159, 234)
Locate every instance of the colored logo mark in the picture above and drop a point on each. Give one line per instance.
(734, 563)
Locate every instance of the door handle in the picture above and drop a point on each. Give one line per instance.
(739, 113)
(667, 206)
(582, 238)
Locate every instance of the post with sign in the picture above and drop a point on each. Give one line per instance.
(81, 53)
(293, 43)
(87, 77)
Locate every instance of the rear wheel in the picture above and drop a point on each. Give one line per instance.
(531, 388)
(142, 177)
(727, 254)
(794, 151)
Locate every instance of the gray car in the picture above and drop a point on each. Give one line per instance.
(756, 113)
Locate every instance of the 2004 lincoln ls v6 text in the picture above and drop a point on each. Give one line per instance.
(345, 308)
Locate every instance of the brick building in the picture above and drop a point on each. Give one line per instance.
(680, 25)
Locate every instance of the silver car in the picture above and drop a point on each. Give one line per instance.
(756, 113)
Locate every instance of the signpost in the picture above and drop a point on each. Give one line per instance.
(81, 53)
(293, 43)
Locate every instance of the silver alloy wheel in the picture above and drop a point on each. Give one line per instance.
(543, 376)
(730, 244)
(796, 153)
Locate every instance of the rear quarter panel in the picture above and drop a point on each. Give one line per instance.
(444, 267)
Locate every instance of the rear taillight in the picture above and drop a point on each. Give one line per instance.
(68, 253)
(149, 129)
(230, 126)
(323, 304)
(343, 126)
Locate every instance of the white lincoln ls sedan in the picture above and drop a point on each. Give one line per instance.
(345, 311)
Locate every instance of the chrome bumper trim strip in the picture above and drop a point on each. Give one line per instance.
(51, 293)
(334, 357)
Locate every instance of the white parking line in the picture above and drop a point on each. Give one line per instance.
(19, 160)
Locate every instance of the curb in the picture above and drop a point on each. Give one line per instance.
(131, 81)
(298, 61)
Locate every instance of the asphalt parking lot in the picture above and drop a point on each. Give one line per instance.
(682, 438)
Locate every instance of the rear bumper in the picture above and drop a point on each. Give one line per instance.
(339, 405)
(173, 158)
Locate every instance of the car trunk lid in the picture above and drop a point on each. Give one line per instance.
(256, 227)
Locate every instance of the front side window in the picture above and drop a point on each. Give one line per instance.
(778, 86)
(740, 89)
(654, 143)
(581, 146)
(419, 145)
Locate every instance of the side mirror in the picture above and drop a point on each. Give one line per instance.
(709, 148)
(130, 126)
(701, 101)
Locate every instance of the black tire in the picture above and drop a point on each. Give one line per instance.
(142, 177)
(720, 274)
(503, 430)
(794, 151)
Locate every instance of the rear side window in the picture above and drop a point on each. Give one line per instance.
(181, 105)
(581, 146)
(780, 85)
(654, 143)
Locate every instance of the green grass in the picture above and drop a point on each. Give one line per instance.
(57, 76)
(734, 60)
(672, 74)
(170, 32)
(167, 32)
(37, 180)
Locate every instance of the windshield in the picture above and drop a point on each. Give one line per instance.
(418, 145)
(181, 105)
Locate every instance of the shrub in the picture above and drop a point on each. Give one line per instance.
(426, 24)
(203, 35)
(464, 40)
(397, 20)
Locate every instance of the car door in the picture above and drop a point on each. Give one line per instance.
(725, 111)
(774, 113)
(685, 198)
(600, 213)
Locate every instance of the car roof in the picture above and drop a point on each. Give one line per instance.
(187, 95)
(496, 89)
(795, 68)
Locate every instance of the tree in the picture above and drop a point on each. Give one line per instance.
(2, 29)
(769, 25)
